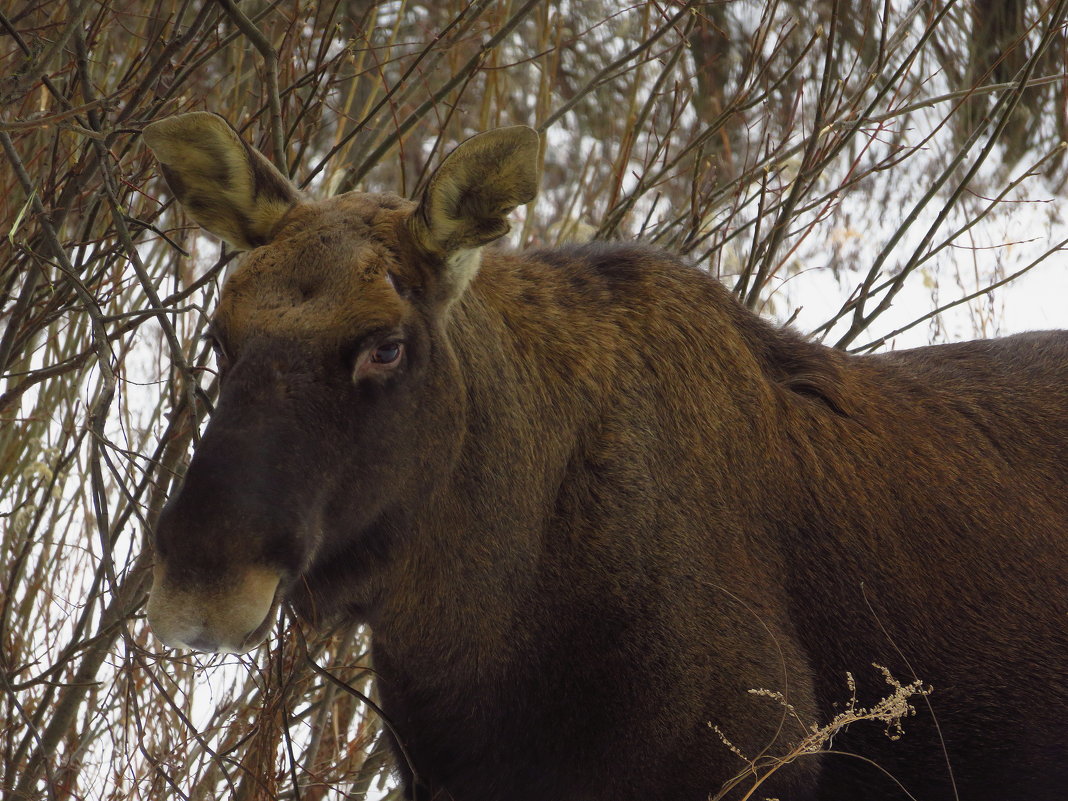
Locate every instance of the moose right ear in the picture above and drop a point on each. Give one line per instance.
(469, 197)
(224, 184)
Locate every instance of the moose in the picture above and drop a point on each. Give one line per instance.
(614, 535)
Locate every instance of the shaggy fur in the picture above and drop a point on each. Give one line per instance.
(598, 501)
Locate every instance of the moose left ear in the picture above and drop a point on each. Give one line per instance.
(468, 200)
(224, 184)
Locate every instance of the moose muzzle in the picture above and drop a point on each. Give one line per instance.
(232, 615)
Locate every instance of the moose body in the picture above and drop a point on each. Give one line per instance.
(587, 502)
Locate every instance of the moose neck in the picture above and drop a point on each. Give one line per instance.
(604, 415)
(547, 351)
(530, 387)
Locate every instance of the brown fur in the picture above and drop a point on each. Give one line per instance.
(599, 501)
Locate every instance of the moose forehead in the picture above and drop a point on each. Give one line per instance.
(323, 275)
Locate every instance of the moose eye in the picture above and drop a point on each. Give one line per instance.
(388, 353)
(379, 359)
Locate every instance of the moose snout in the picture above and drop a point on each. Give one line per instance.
(232, 615)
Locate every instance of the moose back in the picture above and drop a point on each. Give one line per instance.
(587, 503)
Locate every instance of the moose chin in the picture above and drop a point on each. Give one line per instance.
(587, 503)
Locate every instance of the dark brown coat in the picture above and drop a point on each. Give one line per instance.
(586, 502)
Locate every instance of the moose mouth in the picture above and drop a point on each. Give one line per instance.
(229, 616)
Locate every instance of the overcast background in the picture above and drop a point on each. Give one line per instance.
(849, 166)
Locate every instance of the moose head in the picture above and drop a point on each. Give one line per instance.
(339, 395)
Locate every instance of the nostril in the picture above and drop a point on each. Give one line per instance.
(205, 644)
(159, 538)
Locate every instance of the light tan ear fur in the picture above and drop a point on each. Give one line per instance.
(224, 184)
(468, 200)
